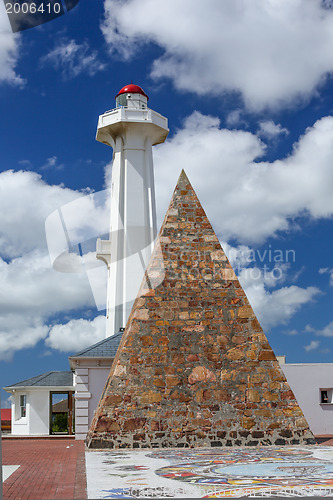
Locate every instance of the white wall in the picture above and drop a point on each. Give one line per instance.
(97, 380)
(305, 381)
(39, 415)
(20, 426)
(82, 400)
(36, 421)
(89, 384)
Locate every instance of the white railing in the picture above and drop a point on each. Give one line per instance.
(125, 107)
(129, 113)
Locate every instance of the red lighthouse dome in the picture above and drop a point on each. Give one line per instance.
(131, 89)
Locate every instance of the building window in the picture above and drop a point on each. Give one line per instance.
(23, 405)
(326, 396)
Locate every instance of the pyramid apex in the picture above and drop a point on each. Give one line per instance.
(183, 176)
(183, 179)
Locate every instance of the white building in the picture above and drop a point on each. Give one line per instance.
(32, 402)
(33, 399)
(91, 367)
(312, 384)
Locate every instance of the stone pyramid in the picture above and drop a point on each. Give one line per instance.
(194, 367)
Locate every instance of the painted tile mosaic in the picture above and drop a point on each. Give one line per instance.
(210, 473)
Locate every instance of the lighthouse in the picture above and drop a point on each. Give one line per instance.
(131, 129)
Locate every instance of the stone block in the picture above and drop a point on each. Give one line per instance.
(270, 396)
(266, 356)
(253, 396)
(150, 397)
(106, 425)
(201, 374)
(113, 399)
(245, 312)
(172, 380)
(119, 370)
(235, 354)
(248, 423)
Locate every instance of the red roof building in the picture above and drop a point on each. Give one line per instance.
(6, 419)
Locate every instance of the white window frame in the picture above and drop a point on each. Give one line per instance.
(23, 407)
(329, 391)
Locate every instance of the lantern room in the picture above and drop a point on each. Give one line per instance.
(132, 96)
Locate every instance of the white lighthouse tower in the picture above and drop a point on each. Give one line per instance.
(131, 129)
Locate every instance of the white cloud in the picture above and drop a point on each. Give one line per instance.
(6, 403)
(19, 333)
(273, 261)
(326, 270)
(25, 163)
(291, 332)
(274, 307)
(259, 272)
(272, 53)
(32, 292)
(327, 331)
(76, 334)
(31, 286)
(73, 59)
(25, 202)
(52, 164)
(234, 118)
(9, 51)
(314, 344)
(240, 256)
(246, 198)
(271, 130)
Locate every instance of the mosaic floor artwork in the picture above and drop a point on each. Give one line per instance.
(210, 472)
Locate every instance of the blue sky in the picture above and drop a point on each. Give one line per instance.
(247, 89)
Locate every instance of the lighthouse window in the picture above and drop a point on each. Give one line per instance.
(121, 100)
(326, 396)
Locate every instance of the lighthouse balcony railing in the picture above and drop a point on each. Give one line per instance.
(137, 114)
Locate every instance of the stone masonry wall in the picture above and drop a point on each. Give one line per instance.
(194, 367)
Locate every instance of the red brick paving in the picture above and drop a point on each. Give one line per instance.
(325, 440)
(49, 469)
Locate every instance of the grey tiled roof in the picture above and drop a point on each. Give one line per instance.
(54, 379)
(106, 348)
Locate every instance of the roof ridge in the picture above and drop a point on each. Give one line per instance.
(42, 376)
(33, 381)
(37, 378)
